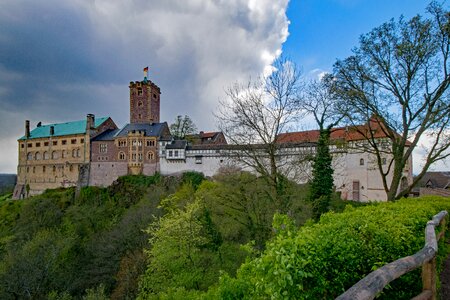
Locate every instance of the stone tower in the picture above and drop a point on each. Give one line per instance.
(144, 101)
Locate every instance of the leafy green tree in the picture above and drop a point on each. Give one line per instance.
(321, 185)
(182, 126)
(180, 254)
(38, 267)
(397, 83)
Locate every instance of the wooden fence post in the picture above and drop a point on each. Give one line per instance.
(429, 277)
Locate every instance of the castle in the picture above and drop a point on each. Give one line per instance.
(95, 152)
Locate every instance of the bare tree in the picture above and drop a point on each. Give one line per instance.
(397, 83)
(256, 113)
(182, 126)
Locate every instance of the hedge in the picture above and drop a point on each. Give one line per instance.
(322, 260)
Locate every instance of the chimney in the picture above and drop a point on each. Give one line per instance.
(27, 128)
(90, 122)
(52, 130)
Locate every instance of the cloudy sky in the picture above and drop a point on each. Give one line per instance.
(60, 60)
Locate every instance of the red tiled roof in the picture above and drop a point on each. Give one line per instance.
(351, 133)
(208, 134)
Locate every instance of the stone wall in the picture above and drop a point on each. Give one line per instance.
(104, 173)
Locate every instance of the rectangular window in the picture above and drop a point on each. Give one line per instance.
(355, 191)
(103, 148)
(63, 142)
(55, 143)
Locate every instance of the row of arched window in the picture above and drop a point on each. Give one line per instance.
(53, 155)
(123, 156)
(44, 169)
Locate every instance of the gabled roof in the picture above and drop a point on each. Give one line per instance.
(177, 144)
(435, 180)
(149, 129)
(107, 135)
(213, 137)
(61, 129)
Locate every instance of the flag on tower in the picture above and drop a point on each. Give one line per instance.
(145, 74)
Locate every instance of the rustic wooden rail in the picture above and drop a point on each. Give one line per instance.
(368, 287)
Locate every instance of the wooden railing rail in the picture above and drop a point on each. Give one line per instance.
(371, 285)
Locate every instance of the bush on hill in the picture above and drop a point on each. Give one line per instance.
(322, 260)
(58, 245)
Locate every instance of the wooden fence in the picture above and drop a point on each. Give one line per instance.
(371, 285)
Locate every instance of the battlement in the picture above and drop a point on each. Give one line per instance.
(136, 84)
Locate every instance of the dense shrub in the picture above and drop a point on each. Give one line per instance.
(60, 245)
(322, 260)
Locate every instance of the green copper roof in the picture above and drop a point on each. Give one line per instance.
(68, 128)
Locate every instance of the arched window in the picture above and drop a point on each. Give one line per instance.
(37, 156)
(150, 155)
(46, 155)
(361, 162)
(30, 156)
(122, 155)
(54, 155)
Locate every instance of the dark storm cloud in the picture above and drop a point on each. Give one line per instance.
(60, 60)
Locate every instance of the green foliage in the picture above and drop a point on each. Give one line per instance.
(185, 250)
(182, 126)
(193, 178)
(5, 197)
(243, 209)
(60, 246)
(202, 234)
(322, 260)
(97, 293)
(321, 186)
